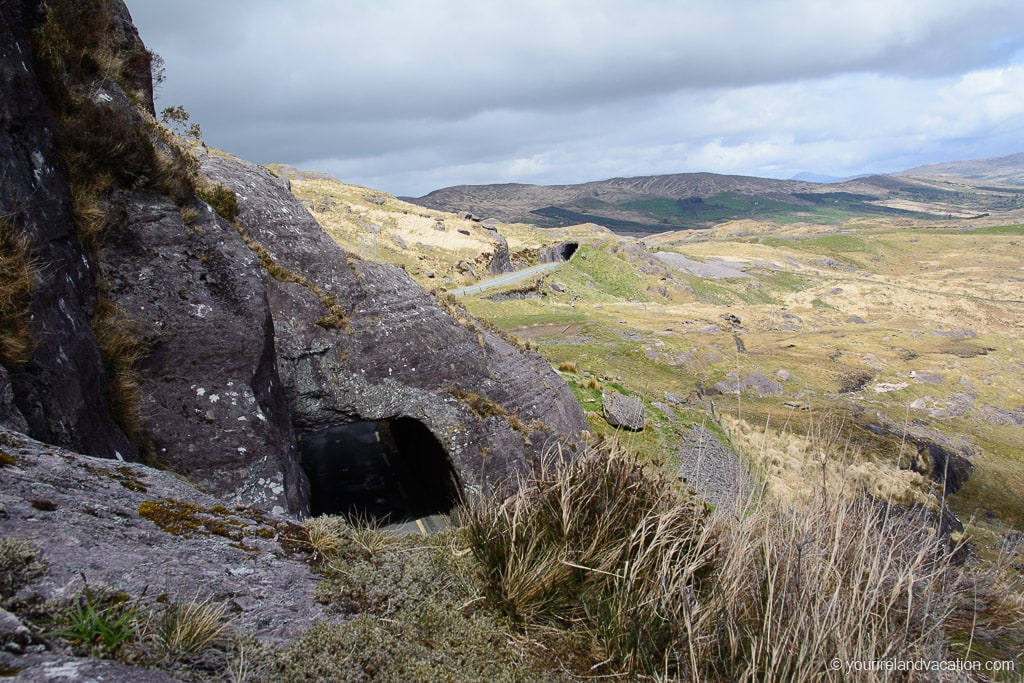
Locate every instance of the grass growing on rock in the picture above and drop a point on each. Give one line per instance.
(16, 343)
(416, 611)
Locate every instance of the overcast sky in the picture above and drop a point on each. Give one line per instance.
(409, 96)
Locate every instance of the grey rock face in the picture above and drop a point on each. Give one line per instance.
(557, 253)
(91, 525)
(501, 261)
(759, 383)
(61, 393)
(623, 411)
(494, 408)
(212, 401)
(13, 634)
(713, 470)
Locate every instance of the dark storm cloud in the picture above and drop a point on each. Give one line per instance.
(549, 92)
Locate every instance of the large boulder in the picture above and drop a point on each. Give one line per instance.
(501, 260)
(623, 412)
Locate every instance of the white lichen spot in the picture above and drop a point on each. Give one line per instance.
(214, 398)
(200, 310)
(242, 450)
(243, 418)
(200, 392)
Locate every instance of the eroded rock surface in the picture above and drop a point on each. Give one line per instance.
(398, 352)
(713, 470)
(135, 529)
(61, 393)
(211, 399)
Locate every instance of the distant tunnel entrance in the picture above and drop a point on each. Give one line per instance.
(390, 471)
(558, 253)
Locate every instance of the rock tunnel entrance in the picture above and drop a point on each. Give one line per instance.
(568, 249)
(389, 471)
(558, 253)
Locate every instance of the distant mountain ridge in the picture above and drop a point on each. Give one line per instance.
(649, 204)
(1007, 169)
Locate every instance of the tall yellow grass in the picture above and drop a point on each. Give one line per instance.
(659, 588)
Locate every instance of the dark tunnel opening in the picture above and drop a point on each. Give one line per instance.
(389, 471)
(568, 249)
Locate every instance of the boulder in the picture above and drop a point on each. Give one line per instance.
(501, 261)
(467, 268)
(623, 412)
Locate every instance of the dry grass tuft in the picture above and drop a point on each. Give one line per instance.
(122, 347)
(567, 366)
(190, 627)
(19, 277)
(662, 590)
(601, 546)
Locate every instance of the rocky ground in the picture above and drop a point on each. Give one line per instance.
(146, 533)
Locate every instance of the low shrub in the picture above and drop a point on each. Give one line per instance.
(99, 622)
(223, 199)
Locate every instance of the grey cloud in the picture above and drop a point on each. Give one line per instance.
(454, 89)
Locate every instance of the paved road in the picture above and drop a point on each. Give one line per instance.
(506, 279)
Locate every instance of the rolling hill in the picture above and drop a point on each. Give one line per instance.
(654, 204)
(1004, 170)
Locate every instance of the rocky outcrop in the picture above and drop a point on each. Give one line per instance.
(713, 470)
(558, 253)
(211, 400)
(61, 394)
(398, 352)
(501, 260)
(239, 335)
